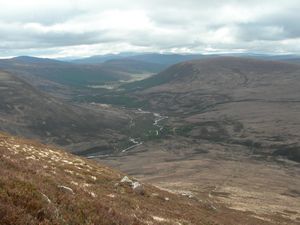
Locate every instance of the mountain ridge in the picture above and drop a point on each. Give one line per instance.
(210, 66)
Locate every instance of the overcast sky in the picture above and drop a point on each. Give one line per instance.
(64, 28)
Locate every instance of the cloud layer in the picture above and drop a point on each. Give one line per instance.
(87, 27)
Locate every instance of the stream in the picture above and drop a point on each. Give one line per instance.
(157, 119)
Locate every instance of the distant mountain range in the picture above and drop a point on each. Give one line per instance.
(99, 70)
(163, 59)
(170, 59)
(77, 75)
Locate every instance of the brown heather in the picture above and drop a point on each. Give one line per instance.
(31, 175)
(43, 185)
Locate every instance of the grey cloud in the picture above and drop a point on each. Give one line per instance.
(252, 32)
(196, 25)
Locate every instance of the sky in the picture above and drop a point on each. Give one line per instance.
(81, 28)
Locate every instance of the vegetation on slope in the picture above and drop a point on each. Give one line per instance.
(42, 185)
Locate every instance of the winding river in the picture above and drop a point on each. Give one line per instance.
(157, 119)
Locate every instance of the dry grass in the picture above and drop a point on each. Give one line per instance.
(31, 192)
(43, 185)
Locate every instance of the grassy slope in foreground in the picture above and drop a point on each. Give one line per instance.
(42, 185)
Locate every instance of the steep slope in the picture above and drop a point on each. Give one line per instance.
(43, 185)
(31, 113)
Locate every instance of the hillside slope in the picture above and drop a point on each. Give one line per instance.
(45, 73)
(43, 185)
(221, 74)
(28, 112)
(229, 99)
(61, 72)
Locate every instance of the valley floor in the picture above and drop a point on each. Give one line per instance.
(224, 176)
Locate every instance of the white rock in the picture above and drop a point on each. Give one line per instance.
(135, 185)
(94, 178)
(138, 188)
(66, 189)
(45, 197)
(111, 195)
(126, 180)
(159, 219)
(93, 194)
